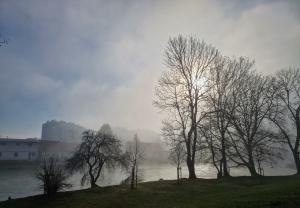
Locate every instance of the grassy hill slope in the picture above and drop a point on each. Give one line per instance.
(235, 192)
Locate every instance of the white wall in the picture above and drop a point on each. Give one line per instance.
(18, 150)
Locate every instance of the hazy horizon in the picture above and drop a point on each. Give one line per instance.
(98, 62)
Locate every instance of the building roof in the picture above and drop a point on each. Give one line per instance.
(20, 140)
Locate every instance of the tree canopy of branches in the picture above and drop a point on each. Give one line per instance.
(133, 156)
(225, 108)
(249, 134)
(286, 111)
(225, 79)
(183, 87)
(53, 176)
(98, 150)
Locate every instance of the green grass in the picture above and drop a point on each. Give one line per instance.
(235, 192)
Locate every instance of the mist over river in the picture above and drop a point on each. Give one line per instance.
(19, 180)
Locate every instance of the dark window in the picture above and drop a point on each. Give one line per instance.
(16, 154)
(0, 154)
(17, 143)
(3, 143)
(33, 153)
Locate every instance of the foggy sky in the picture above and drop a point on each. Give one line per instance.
(91, 62)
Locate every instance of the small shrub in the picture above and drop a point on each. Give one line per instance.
(52, 175)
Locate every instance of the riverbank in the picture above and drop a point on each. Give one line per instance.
(280, 191)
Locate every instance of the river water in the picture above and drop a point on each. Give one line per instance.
(19, 180)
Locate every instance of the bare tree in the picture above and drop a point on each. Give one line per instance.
(286, 110)
(177, 149)
(221, 102)
(255, 99)
(53, 176)
(212, 150)
(177, 156)
(97, 150)
(133, 156)
(183, 87)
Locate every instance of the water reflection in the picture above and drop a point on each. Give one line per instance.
(19, 180)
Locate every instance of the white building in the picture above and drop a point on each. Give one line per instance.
(34, 149)
(19, 149)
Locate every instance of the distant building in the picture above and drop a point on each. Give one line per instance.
(62, 131)
(33, 149)
(19, 149)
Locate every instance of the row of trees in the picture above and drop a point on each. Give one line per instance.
(97, 151)
(223, 107)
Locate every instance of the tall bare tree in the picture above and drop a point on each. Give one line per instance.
(212, 147)
(177, 156)
(221, 102)
(183, 87)
(97, 150)
(249, 133)
(286, 112)
(177, 150)
(134, 156)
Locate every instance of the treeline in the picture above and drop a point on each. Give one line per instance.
(225, 108)
(97, 151)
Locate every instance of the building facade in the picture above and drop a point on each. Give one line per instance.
(19, 149)
(33, 149)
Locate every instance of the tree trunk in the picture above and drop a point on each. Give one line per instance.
(224, 161)
(296, 150)
(92, 180)
(191, 167)
(297, 162)
(136, 176)
(132, 177)
(220, 172)
(177, 175)
(251, 167)
(93, 184)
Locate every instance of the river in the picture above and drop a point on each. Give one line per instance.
(19, 180)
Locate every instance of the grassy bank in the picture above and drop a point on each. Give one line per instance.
(235, 192)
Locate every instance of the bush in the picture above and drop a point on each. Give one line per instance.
(52, 175)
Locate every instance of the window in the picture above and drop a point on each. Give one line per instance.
(33, 154)
(3, 143)
(17, 143)
(16, 154)
(0, 154)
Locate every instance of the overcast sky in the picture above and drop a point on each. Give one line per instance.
(91, 62)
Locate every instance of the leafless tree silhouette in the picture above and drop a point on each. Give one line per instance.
(177, 156)
(53, 176)
(286, 110)
(249, 133)
(221, 102)
(183, 87)
(224, 107)
(97, 150)
(134, 156)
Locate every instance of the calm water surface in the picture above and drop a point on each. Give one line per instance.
(19, 180)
